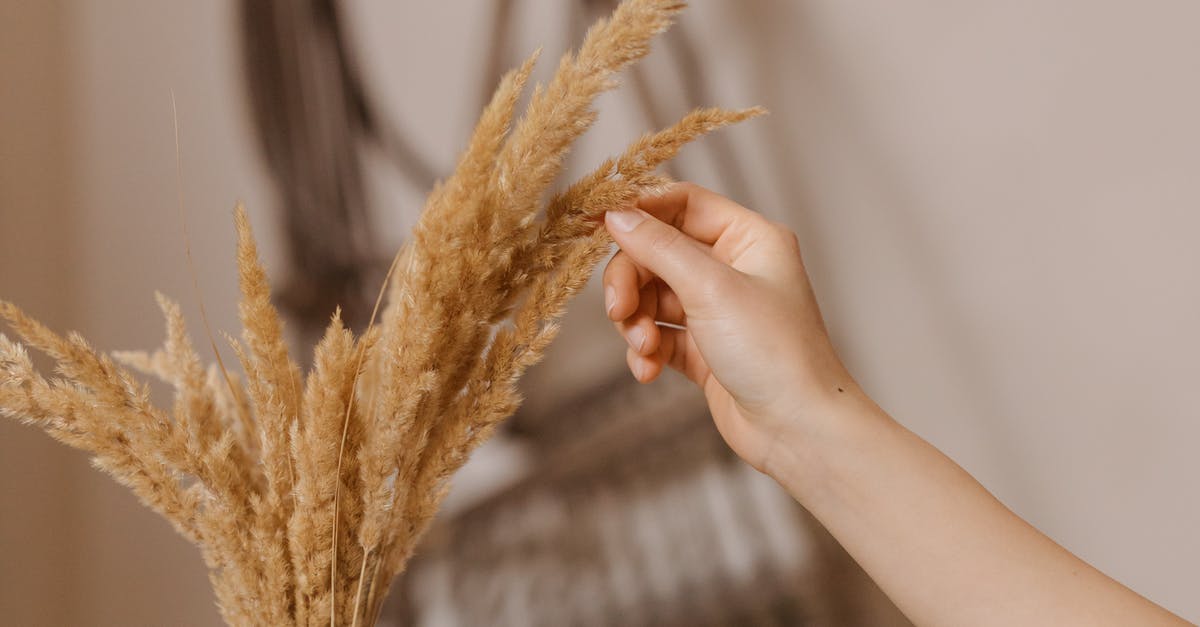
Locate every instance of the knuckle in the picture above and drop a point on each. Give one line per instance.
(784, 234)
(620, 270)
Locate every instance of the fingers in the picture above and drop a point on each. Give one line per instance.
(707, 217)
(639, 329)
(682, 262)
(644, 369)
(677, 350)
(676, 258)
(623, 280)
(631, 300)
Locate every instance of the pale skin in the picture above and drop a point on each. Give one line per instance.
(752, 338)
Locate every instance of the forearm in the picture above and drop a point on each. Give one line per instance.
(942, 547)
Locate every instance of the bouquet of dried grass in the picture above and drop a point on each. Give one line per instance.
(308, 493)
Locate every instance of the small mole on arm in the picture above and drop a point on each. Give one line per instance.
(841, 390)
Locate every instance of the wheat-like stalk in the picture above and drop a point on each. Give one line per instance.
(308, 493)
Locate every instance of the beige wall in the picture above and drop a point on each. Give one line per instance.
(998, 202)
(37, 477)
(90, 228)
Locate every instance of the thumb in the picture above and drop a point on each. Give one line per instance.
(669, 253)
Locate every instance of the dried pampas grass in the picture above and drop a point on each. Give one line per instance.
(308, 493)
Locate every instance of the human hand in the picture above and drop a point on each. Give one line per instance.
(755, 343)
(750, 333)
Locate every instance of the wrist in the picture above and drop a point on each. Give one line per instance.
(805, 450)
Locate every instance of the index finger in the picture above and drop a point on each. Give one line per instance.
(700, 213)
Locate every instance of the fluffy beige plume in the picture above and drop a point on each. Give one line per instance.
(308, 493)
(95, 407)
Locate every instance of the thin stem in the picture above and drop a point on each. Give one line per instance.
(337, 486)
(362, 572)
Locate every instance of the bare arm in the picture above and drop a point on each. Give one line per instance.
(942, 547)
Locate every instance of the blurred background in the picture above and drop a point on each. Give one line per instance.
(999, 204)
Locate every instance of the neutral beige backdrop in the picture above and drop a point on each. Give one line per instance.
(998, 203)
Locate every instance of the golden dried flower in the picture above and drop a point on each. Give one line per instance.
(308, 493)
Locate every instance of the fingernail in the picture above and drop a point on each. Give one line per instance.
(637, 339)
(625, 220)
(639, 369)
(610, 300)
